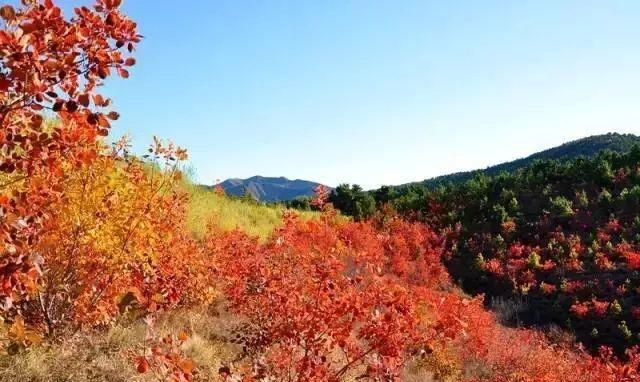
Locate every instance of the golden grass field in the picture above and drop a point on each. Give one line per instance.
(205, 206)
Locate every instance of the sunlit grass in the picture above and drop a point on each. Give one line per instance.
(255, 219)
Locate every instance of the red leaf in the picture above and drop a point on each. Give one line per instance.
(92, 119)
(103, 132)
(142, 365)
(83, 100)
(103, 72)
(29, 27)
(71, 106)
(4, 84)
(5, 38)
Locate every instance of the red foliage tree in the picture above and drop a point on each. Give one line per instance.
(57, 64)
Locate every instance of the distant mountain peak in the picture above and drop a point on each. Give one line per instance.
(269, 189)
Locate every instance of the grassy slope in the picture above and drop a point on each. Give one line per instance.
(253, 218)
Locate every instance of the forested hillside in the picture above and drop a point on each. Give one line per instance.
(560, 237)
(587, 147)
(411, 198)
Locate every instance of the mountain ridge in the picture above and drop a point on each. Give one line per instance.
(587, 147)
(269, 189)
(280, 189)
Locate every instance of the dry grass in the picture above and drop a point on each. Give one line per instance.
(86, 357)
(414, 373)
(102, 356)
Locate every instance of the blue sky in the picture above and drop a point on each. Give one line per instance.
(377, 92)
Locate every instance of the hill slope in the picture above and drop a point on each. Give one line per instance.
(562, 238)
(256, 219)
(269, 189)
(587, 147)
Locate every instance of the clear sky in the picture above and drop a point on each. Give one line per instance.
(377, 92)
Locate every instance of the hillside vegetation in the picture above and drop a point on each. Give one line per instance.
(562, 238)
(206, 206)
(587, 147)
(563, 235)
(114, 268)
(411, 198)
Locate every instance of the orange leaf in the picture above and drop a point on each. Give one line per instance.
(187, 366)
(17, 331)
(98, 100)
(103, 122)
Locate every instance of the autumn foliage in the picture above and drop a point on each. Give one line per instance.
(50, 63)
(329, 300)
(561, 237)
(91, 234)
(88, 231)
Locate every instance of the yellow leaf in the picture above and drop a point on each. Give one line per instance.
(17, 330)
